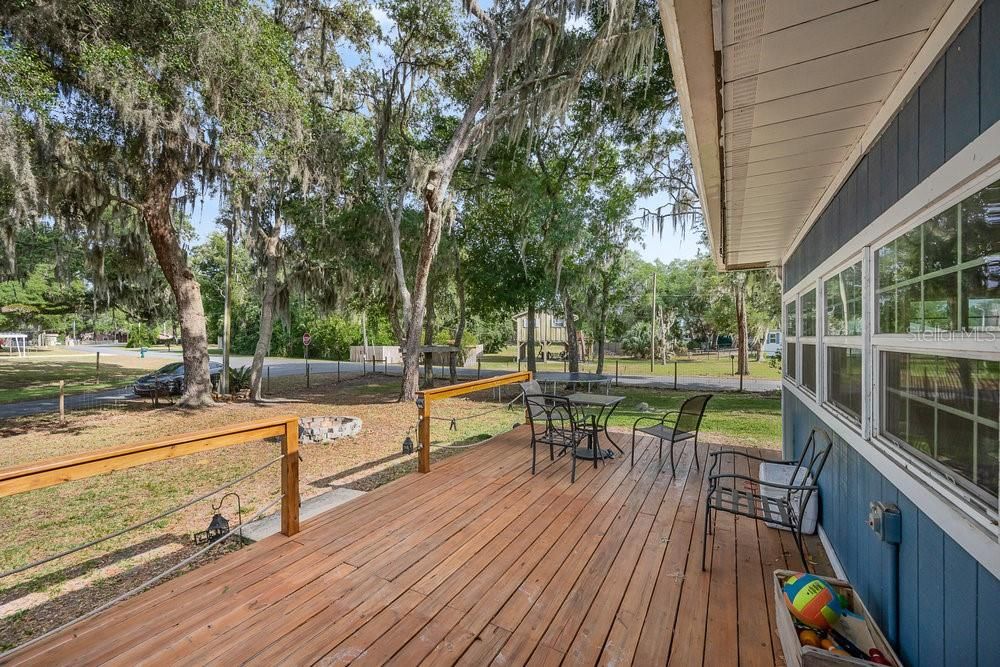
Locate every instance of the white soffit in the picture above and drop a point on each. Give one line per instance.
(801, 83)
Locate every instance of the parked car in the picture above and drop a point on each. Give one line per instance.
(772, 343)
(170, 379)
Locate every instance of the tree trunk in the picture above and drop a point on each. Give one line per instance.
(529, 344)
(187, 293)
(572, 349)
(429, 340)
(742, 362)
(602, 323)
(434, 191)
(266, 310)
(460, 328)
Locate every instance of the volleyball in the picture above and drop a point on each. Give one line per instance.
(812, 600)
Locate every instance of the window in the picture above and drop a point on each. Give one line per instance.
(944, 275)
(842, 331)
(844, 379)
(790, 341)
(843, 303)
(946, 410)
(807, 327)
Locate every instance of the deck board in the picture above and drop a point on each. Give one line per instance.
(477, 562)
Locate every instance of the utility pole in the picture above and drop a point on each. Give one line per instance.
(226, 319)
(652, 329)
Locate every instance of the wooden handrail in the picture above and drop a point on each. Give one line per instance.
(50, 472)
(428, 396)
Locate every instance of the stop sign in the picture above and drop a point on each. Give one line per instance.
(306, 339)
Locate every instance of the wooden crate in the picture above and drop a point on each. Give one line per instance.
(797, 655)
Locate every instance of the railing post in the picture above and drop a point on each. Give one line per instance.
(290, 478)
(424, 434)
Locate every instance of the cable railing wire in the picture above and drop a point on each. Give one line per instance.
(146, 522)
(144, 585)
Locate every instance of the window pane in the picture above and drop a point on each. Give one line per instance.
(887, 312)
(809, 313)
(843, 302)
(789, 360)
(908, 255)
(844, 379)
(809, 367)
(790, 319)
(941, 303)
(941, 241)
(909, 309)
(981, 224)
(947, 409)
(981, 297)
(988, 463)
(885, 258)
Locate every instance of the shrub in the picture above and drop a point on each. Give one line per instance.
(139, 335)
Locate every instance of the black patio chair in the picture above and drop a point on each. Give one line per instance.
(559, 424)
(786, 510)
(685, 426)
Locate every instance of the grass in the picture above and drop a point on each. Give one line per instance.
(36, 377)
(50, 520)
(688, 366)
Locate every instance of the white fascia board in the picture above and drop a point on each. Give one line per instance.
(688, 27)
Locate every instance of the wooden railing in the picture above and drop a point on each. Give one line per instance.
(428, 396)
(51, 472)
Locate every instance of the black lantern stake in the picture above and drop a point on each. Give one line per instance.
(218, 527)
(407, 445)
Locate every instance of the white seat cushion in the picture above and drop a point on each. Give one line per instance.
(781, 473)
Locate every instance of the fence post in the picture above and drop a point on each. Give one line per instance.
(424, 434)
(98, 371)
(385, 366)
(616, 373)
(338, 370)
(290, 478)
(675, 374)
(62, 402)
(479, 369)
(268, 379)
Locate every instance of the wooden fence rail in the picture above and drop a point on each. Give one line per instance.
(428, 396)
(50, 472)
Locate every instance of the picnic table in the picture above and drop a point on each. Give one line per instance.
(588, 379)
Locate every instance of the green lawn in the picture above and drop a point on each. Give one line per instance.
(38, 377)
(694, 366)
(746, 419)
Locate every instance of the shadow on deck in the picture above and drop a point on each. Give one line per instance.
(477, 562)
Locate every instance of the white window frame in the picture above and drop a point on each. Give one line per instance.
(856, 342)
(816, 341)
(964, 517)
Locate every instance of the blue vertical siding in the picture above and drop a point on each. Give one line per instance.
(958, 100)
(949, 605)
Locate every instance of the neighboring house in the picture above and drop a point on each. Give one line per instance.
(550, 336)
(772, 343)
(860, 153)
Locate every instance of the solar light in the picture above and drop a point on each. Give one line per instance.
(217, 528)
(407, 445)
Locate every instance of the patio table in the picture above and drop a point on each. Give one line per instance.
(588, 379)
(605, 405)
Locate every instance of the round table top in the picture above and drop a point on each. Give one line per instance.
(571, 377)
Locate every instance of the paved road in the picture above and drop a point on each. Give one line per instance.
(281, 367)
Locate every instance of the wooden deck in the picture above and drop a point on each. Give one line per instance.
(477, 562)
